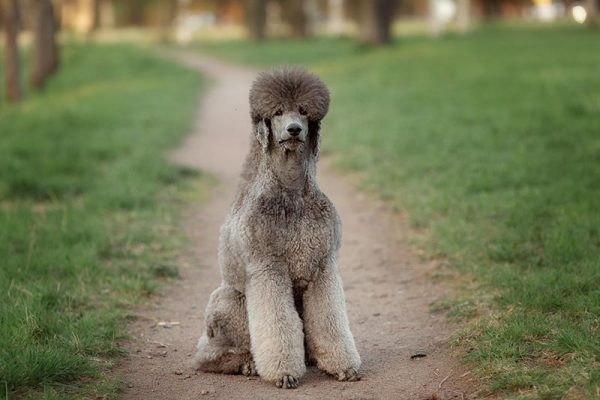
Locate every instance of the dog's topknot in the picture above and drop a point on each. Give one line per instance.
(286, 88)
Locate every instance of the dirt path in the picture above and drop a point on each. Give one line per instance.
(387, 291)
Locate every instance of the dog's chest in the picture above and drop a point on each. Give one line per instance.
(298, 232)
(307, 243)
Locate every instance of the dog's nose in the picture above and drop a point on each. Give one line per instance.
(294, 129)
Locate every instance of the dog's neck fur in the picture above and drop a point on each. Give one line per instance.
(292, 171)
(290, 176)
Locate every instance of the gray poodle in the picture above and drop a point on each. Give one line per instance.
(281, 288)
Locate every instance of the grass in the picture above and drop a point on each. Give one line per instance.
(87, 213)
(490, 143)
(277, 51)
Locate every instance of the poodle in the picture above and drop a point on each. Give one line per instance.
(281, 298)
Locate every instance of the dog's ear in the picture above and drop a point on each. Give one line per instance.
(262, 132)
(314, 137)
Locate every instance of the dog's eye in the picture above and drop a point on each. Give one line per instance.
(302, 111)
(278, 113)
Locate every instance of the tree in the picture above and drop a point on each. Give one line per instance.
(135, 12)
(256, 18)
(10, 18)
(375, 18)
(167, 16)
(96, 15)
(295, 16)
(45, 49)
(95, 10)
(491, 9)
(591, 6)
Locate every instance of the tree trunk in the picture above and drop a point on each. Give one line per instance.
(376, 18)
(463, 15)
(9, 14)
(168, 14)
(256, 18)
(45, 49)
(135, 12)
(591, 6)
(94, 7)
(295, 15)
(96, 14)
(492, 9)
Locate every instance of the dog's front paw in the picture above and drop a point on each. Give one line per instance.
(350, 375)
(287, 382)
(249, 369)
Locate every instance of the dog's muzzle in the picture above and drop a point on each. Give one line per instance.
(294, 129)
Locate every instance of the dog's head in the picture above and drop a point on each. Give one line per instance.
(287, 105)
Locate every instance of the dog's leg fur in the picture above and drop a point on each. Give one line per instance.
(328, 337)
(275, 326)
(225, 346)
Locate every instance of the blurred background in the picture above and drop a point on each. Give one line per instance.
(477, 119)
(369, 19)
(372, 22)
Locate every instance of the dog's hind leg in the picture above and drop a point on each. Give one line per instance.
(225, 345)
(217, 355)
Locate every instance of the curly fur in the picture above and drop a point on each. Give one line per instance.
(288, 89)
(281, 295)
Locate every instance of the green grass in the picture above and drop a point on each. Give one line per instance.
(87, 212)
(278, 51)
(491, 144)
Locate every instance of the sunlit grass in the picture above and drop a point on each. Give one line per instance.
(491, 144)
(86, 214)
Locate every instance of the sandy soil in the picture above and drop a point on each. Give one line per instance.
(387, 289)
